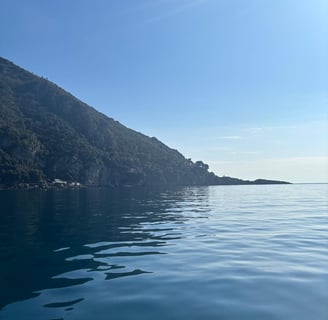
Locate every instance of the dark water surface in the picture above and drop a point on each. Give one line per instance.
(223, 252)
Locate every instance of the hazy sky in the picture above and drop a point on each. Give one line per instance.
(241, 85)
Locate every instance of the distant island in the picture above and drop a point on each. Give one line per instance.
(49, 138)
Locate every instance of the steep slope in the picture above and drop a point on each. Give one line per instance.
(46, 133)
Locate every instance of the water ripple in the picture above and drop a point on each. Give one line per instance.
(255, 252)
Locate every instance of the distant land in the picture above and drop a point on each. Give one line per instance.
(50, 138)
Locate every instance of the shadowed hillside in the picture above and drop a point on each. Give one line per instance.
(46, 133)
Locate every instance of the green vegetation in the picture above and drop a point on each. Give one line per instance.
(46, 133)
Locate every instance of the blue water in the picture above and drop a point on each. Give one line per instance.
(219, 252)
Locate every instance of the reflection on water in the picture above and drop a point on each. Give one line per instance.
(243, 252)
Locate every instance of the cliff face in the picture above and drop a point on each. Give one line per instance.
(46, 133)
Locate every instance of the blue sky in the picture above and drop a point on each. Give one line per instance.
(241, 85)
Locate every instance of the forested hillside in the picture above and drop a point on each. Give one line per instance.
(46, 133)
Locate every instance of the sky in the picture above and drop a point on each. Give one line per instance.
(241, 85)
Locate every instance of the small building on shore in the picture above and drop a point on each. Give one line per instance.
(59, 183)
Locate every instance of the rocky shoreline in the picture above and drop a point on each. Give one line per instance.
(44, 185)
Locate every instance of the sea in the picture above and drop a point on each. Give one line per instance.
(203, 253)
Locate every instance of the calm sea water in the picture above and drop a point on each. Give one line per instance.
(222, 252)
